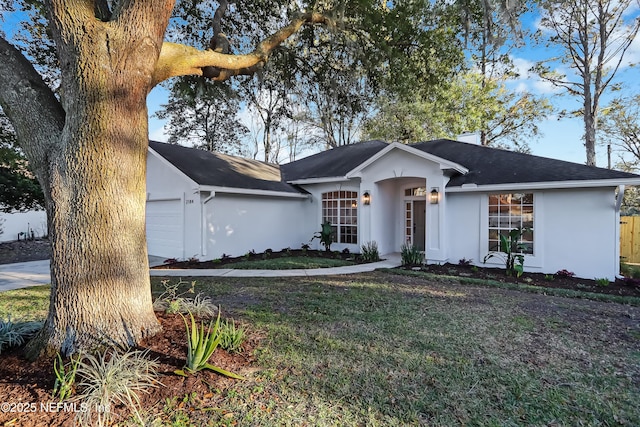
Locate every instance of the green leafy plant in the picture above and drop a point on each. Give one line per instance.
(170, 299)
(16, 333)
(112, 378)
(325, 235)
(201, 343)
(370, 251)
(411, 255)
(549, 277)
(231, 336)
(602, 281)
(510, 251)
(65, 377)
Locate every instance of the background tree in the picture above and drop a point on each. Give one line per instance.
(19, 189)
(620, 127)
(204, 114)
(477, 100)
(87, 142)
(593, 36)
(470, 103)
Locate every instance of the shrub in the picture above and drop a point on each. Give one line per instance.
(325, 235)
(565, 273)
(510, 248)
(370, 252)
(170, 261)
(65, 377)
(231, 336)
(346, 251)
(602, 281)
(16, 333)
(411, 255)
(549, 277)
(465, 261)
(201, 343)
(112, 378)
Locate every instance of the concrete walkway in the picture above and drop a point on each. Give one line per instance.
(25, 274)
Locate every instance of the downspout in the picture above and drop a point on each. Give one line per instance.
(619, 199)
(203, 234)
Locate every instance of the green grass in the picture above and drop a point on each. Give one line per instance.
(25, 304)
(290, 263)
(388, 350)
(383, 349)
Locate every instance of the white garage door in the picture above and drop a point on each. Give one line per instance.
(165, 228)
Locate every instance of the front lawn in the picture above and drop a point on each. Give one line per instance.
(385, 350)
(381, 349)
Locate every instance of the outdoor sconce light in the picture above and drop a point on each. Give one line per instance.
(434, 196)
(366, 198)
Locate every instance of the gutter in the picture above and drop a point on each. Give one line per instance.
(548, 185)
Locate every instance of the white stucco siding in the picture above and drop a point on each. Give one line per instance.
(173, 214)
(579, 229)
(573, 230)
(237, 224)
(463, 227)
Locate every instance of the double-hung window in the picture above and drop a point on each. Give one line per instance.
(340, 208)
(509, 211)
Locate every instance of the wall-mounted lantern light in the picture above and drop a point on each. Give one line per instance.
(366, 198)
(434, 196)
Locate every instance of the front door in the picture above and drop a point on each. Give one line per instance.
(415, 220)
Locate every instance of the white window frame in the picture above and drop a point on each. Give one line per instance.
(534, 260)
(338, 224)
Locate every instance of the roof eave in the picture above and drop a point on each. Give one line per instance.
(548, 185)
(252, 192)
(322, 180)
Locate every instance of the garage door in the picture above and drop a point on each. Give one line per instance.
(165, 228)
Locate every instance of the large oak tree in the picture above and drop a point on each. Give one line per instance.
(87, 140)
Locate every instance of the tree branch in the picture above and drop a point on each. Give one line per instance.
(179, 60)
(36, 114)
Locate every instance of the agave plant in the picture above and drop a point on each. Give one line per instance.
(201, 343)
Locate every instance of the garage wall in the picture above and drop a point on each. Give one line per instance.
(236, 224)
(170, 221)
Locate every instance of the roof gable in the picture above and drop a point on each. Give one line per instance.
(444, 163)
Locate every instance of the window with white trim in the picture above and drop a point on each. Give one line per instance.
(340, 208)
(509, 211)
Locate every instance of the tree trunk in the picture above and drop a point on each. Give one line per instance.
(100, 289)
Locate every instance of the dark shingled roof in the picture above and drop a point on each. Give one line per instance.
(222, 170)
(489, 166)
(332, 163)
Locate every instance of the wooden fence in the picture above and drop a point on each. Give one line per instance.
(630, 239)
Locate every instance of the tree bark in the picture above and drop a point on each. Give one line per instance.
(100, 289)
(89, 152)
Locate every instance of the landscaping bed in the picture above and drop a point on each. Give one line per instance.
(271, 260)
(560, 280)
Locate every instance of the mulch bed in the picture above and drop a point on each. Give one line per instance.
(26, 387)
(628, 287)
(227, 261)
